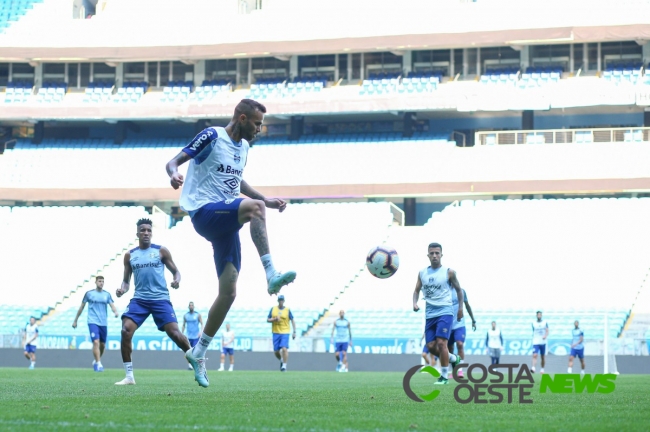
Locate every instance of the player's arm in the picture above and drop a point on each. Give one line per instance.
(501, 339)
(416, 294)
(114, 309)
(232, 338)
(166, 258)
(274, 203)
(469, 311)
(422, 338)
(546, 332)
(81, 309)
(293, 324)
(333, 328)
(184, 322)
(453, 280)
(200, 323)
(487, 340)
(126, 279)
(350, 332)
(271, 318)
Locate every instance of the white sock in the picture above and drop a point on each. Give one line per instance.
(541, 370)
(221, 367)
(128, 368)
(99, 364)
(202, 345)
(94, 362)
(284, 365)
(569, 370)
(231, 367)
(445, 372)
(452, 358)
(33, 363)
(582, 371)
(269, 268)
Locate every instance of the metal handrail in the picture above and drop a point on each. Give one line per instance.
(563, 136)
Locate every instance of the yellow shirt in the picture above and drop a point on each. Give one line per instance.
(282, 326)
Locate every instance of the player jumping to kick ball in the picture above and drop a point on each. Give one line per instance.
(210, 195)
(147, 263)
(436, 283)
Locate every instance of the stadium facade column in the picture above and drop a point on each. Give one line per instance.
(349, 63)
(199, 72)
(297, 127)
(38, 74)
(336, 67)
(528, 120)
(293, 67)
(646, 118)
(409, 211)
(524, 57)
(119, 74)
(407, 62)
(645, 47)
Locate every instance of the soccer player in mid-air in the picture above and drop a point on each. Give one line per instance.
(147, 263)
(577, 347)
(436, 283)
(227, 348)
(210, 195)
(540, 333)
(494, 343)
(458, 332)
(194, 322)
(30, 341)
(98, 300)
(342, 340)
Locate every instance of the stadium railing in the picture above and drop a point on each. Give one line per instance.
(563, 136)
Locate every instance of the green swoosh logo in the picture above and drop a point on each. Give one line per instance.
(434, 394)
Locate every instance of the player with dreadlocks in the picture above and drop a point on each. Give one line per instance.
(146, 262)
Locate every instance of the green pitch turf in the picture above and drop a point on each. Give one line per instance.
(74, 399)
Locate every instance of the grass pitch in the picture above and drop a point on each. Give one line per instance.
(75, 399)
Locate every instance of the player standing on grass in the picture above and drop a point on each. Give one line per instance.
(30, 341)
(98, 300)
(194, 323)
(147, 263)
(436, 283)
(342, 340)
(280, 316)
(494, 343)
(210, 195)
(458, 331)
(227, 348)
(540, 333)
(577, 348)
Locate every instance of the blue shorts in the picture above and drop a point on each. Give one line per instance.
(539, 349)
(438, 327)
(193, 341)
(30, 348)
(457, 335)
(98, 332)
(341, 346)
(219, 224)
(228, 351)
(280, 340)
(161, 310)
(580, 353)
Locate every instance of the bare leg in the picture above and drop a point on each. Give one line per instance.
(543, 361)
(175, 334)
(345, 359)
(582, 363)
(425, 356)
(277, 355)
(254, 211)
(285, 354)
(223, 360)
(225, 299)
(27, 356)
(102, 347)
(33, 357)
(232, 359)
(534, 360)
(570, 361)
(96, 353)
(128, 328)
(461, 349)
(439, 348)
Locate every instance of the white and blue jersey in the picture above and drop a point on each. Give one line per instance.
(341, 334)
(149, 274)
(192, 321)
(436, 291)
(215, 171)
(577, 334)
(454, 298)
(98, 302)
(539, 330)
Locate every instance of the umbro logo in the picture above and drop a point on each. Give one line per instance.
(232, 183)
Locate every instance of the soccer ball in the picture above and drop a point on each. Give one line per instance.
(382, 262)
